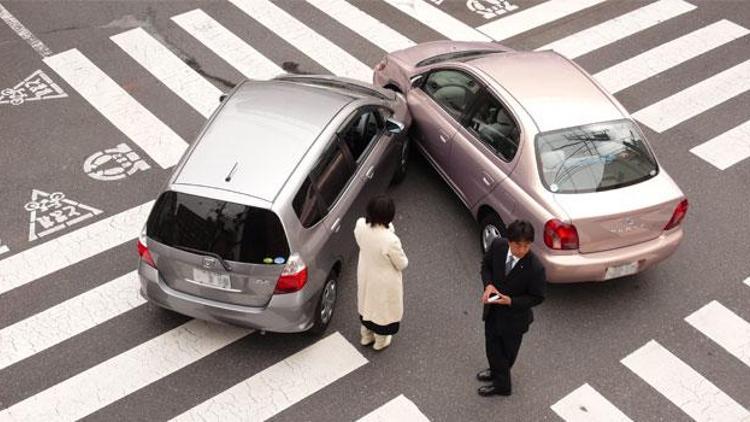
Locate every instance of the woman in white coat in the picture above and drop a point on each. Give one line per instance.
(380, 292)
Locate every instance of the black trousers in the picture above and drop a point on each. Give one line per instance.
(502, 350)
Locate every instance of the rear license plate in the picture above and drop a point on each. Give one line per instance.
(220, 281)
(621, 270)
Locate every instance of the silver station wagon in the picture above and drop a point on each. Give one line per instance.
(255, 223)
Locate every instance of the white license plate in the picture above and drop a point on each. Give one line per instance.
(211, 279)
(621, 270)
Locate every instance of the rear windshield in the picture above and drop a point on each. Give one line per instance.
(455, 55)
(235, 232)
(594, 157)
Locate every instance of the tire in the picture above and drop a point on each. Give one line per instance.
(326, 305)
(400, 174)
(489, 225)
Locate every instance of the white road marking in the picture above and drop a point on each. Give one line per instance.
(114, 163)
(616, 29)
(71, 248)
(280, 386)
(3, 249)
(160, 142)
(35, 87)
(696, 99)
(226, 45)
(169, 70)
(24, 33)
(49, 213)
(67, 319)
(301, 37)
(669, 55)
(533, 17)
(724, 327)
(398, 409)
(585, 404)
(727, 149)
(363, 24)
(747, 281)
(125, 373)
(439, 21)
(682, 385)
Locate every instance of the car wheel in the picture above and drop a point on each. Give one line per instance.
(490, 227)
(403, 164)
(326, 305)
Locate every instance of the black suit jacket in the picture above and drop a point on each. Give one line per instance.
(525, 286)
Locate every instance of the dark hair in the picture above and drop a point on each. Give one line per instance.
(380, 211)
(520, 231)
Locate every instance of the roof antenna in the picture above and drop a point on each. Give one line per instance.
(231, 172)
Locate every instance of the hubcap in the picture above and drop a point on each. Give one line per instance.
(489, 234)
(328, 301)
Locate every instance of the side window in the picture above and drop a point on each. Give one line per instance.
(453, 90)
(361, 131)
(492, 124)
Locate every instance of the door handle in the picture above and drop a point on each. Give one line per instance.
(370, 172)
(443, 140)
(336, 225)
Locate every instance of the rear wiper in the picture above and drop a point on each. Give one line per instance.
(211, 254)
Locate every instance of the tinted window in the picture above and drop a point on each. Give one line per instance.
(235, 232)
(452, 89)
(361, 131)
(594, 157)
(492, 124)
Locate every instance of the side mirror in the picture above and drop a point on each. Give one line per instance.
(416, 80)
(222, 97)
(394, 126)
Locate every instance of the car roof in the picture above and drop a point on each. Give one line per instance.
(553, 90)
(260, 135)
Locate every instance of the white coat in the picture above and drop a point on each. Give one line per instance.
(380, 292)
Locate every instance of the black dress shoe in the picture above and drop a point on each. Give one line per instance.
(484, 375)
(491, 390)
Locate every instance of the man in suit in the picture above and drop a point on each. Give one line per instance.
(514, 281)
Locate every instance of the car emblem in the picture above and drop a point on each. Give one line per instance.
(209, 262)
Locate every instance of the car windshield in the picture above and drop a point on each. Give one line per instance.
(594, 157)
(456, 55)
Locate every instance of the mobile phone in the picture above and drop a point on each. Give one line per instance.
(493, 297)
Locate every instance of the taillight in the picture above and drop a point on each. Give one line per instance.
(143, 251)
(293, 277)
(559, 235)
(678, 215)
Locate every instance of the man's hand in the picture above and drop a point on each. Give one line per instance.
(504, 300)
(489, 291)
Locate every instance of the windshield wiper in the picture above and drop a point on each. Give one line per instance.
(211, 254)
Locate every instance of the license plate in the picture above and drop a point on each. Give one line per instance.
(220, 281)
(621, 270)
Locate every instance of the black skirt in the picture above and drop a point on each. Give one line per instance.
(383, 330)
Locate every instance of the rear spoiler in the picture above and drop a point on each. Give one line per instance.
(338, 81)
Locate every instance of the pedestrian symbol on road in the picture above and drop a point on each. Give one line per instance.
(52, 212)
(114, 163)
(37, 86)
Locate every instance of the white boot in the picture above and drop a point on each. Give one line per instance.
(381, 342)
(367, 336)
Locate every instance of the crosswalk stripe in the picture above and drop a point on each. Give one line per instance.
(747, 282)
(67, 319)
(160, 142)
(727, 149)
(169, 70)
(439, 21)
(125, 373)
(227, 45)
(534, 17)
(280, 386)
(3, 249)
(363, 24)
(301, 37)
(724, 327)
(682, 385)
(696, 99)
(616, 29)
(669, 55)
(585, 404)
(71, 248)
(398, 409)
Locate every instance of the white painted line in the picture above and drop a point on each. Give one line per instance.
(125, 373)
(24, 33)
(724, 327)
(727, 149)
(301, 37)
(682, 385)
(439, 21)
(160, 142)
(226, 45)
(280, 386)
(616, 29)
(534, 17)
(747, 282)
(71, 248)
(3, 249)
(696, 99)
(669, 55)
(67, 319)
(363, 24)
(398, 409)
(585, 404)
(169, 70)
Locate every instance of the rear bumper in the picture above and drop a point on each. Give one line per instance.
(287, 313)
(579, 267)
